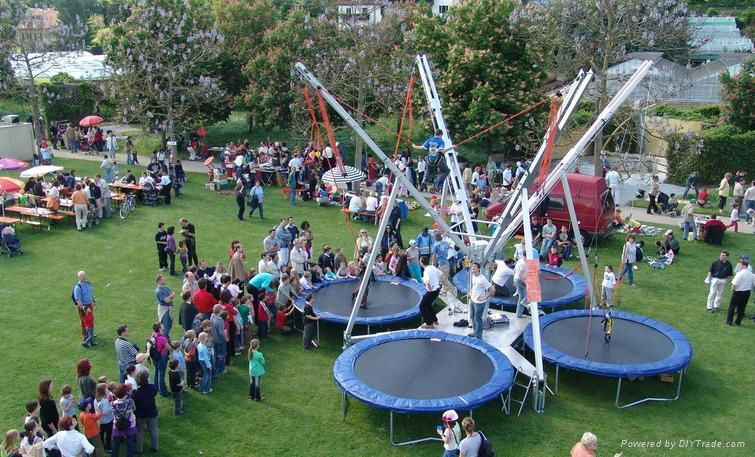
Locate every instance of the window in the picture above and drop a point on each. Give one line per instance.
(442, 9)
(556, 203)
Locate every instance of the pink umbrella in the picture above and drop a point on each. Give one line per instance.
(12, 164)
(91, 120)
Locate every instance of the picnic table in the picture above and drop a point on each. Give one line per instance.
(127, 187)
(27, 214)
(9, 220)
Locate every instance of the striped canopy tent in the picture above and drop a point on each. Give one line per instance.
(337, 177)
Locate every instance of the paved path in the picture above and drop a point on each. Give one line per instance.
(189, 165)
(641, 215)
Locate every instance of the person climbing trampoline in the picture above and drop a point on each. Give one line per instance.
(360, 275)
(436, 168)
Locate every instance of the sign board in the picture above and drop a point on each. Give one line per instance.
(533, 281)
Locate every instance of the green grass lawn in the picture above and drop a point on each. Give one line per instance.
(302, 414)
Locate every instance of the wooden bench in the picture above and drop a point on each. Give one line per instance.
(53, 219)
(368, 216)
(69, 214)
(35, 225)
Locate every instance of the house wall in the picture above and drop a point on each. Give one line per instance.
(17, 141)
(656, 128)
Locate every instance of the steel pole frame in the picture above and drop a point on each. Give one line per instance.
(310, 79)
(571, 157)
(570, 102)
(579, 240)
(370, 263)
(459, 191)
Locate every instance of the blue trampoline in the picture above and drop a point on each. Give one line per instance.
(419, 371)
(559, 288)
(391, 299)
(638, 347)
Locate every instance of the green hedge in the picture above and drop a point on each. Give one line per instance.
(69, 100)
(725, 149)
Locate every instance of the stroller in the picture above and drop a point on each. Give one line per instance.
(10, 245)
(93, 214)
(668, 205)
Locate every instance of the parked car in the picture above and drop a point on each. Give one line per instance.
(593, 204)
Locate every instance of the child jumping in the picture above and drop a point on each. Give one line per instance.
(256, 370)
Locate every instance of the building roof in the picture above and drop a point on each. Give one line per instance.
(79, 65)
(39, 19)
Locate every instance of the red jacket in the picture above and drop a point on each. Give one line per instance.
(204, 301)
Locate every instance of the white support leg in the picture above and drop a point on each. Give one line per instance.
(580, 242)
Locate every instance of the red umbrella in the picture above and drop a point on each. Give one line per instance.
(12, 164)
(91, 120)
(202, 132)
(8, 185)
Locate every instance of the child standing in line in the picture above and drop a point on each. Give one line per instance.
(89, 420)
(67, 402)
(176, 386)
(734, 222)
(178, 355)
(102, 405)
(263, 317)
(609, 282)
(88, 321)
(246, 314)
(310, 324)
(10, 443)
(189, 347)
(183, 255)
(256, 370)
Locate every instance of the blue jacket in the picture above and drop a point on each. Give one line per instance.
(424, 244)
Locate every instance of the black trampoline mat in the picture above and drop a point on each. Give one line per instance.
(423, 369)
(631, 342)
(553, 286)
(383, 299)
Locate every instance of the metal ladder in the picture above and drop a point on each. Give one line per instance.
(509, 398)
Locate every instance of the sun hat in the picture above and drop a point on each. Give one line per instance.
(450, 415)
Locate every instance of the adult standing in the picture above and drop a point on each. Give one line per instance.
(520, 282)
(440, 252)
(412, 261)
(125, 352)
(739, 191)
(203, 300)
(363, 244)
(291, 187)
(161, 241)
(724, 191)
(270, 243)
(237, 269)
(479, 293)
(750, 203)
(111, 144)
(219, 339)
(87, 384)
(688, 216)
(123, 412)
(614, 183)
(170, 248)
(628, 258)
(146, 412)
(693, 182)
(107, 168)
(653, 194)
(432, 278)
(69, 441)
(741, 286)
(470, 446)
(83, 297)
(240, 199)
(283, 236)
(165, 185)
(160, 353)
(718, 273)
(190, 239)
(80, 201)
(48, 409)
(164, 297)
(299, 257)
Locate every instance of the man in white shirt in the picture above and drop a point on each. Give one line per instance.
(520, 278)
(548, 233)
(479, 293)
(508, 176)
(432, 278)
(741, 286)
(503, 277)
(355, 205)
(614, 182)
(381, 184)
(371, 203)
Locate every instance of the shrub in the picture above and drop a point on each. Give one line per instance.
(69, 100)
(723, 149)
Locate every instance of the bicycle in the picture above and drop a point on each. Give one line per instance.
(607, 323)
(128, 206)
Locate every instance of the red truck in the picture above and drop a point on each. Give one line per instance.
(592, 202)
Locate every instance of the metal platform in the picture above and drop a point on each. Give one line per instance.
(500, 336)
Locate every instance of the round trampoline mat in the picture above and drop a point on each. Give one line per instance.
(631, 342)
(384, 298)
(424, 368)
(554, 286)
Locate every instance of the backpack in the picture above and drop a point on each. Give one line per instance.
(486, 449)
(122, 422)
(152, 349)
(73, 294)
(639, 255)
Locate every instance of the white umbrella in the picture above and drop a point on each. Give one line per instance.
(335, 176)
(41, 170)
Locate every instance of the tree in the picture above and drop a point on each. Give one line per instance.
(488, 69)
(738, 93)
(599, 34)
(26, 58)
(163, 56)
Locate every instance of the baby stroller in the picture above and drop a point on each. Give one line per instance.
(150, 194)
(93, 214)
(10, 245)
(668, 205)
